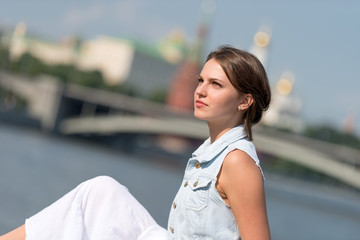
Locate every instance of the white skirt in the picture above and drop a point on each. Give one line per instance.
(97, 209)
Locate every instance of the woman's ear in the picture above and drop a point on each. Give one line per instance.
(245, 102)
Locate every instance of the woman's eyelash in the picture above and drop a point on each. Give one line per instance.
(216, 83)
(200, 80)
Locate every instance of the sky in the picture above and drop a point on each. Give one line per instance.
(317, 40)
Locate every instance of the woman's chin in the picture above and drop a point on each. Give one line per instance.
(199, 115)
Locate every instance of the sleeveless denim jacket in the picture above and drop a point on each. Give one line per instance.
(198, 211)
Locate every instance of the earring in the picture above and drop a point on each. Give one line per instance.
(239, 108)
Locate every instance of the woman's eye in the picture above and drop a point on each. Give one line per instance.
(200, 80)
(216, 84)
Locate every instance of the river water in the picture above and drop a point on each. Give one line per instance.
(38, 168)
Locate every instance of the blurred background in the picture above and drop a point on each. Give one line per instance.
(92, 88)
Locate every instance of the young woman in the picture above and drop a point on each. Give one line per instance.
(222, 193)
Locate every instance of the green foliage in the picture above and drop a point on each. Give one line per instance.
(330, 134)
(325, 133)
(124, 88)
(29, 65)
(158, 96)
(32, 66)
(291, 169)
(4, 58)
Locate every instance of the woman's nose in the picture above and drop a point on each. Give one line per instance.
(201, 90)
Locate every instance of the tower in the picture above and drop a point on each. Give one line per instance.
(261, 44)
(285, 108)
(184, 80)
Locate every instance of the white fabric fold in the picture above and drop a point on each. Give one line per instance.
(97, 209)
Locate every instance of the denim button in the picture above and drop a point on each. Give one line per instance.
(196, 183)
(197, 165)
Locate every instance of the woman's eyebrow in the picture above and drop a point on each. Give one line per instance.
(216, 79)
(211, 78)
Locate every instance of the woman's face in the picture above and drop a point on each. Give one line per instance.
(215, 98)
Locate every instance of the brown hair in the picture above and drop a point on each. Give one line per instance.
(248, 76)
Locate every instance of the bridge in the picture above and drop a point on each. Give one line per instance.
(73, 109)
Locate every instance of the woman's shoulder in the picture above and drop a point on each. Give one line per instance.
(238, 158)
(238, 165)
(241, 157)
(245, 146)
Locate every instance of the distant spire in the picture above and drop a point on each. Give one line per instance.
(20, 30)
(261, 44)
(349, 123)
(184, 81)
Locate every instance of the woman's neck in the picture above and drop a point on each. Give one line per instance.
(217, 130)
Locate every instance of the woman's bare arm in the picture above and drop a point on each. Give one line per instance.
(16, 234)
(241, 181)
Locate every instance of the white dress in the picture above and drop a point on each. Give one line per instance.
(98, 209)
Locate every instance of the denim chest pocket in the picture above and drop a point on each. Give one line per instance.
(198, 193)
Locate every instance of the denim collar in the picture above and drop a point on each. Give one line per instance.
(207, 151)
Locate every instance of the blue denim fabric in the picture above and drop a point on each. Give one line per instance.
(198, 211)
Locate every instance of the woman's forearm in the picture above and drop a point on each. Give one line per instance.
(16, 234)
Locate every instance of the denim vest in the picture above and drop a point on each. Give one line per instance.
(198, 211)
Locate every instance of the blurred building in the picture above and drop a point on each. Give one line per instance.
(145, 67)
(50, 53)
(261, 43)
(111, 56)
(170, 66)
(184, 80)
(285, 108)
(152, 67)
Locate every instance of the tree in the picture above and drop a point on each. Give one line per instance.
(330, 134)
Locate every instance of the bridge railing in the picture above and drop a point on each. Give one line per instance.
(339, 162)
(122, 102)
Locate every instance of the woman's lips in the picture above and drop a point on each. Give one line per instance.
(199, 103)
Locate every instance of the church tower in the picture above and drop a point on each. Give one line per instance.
(184, 80)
